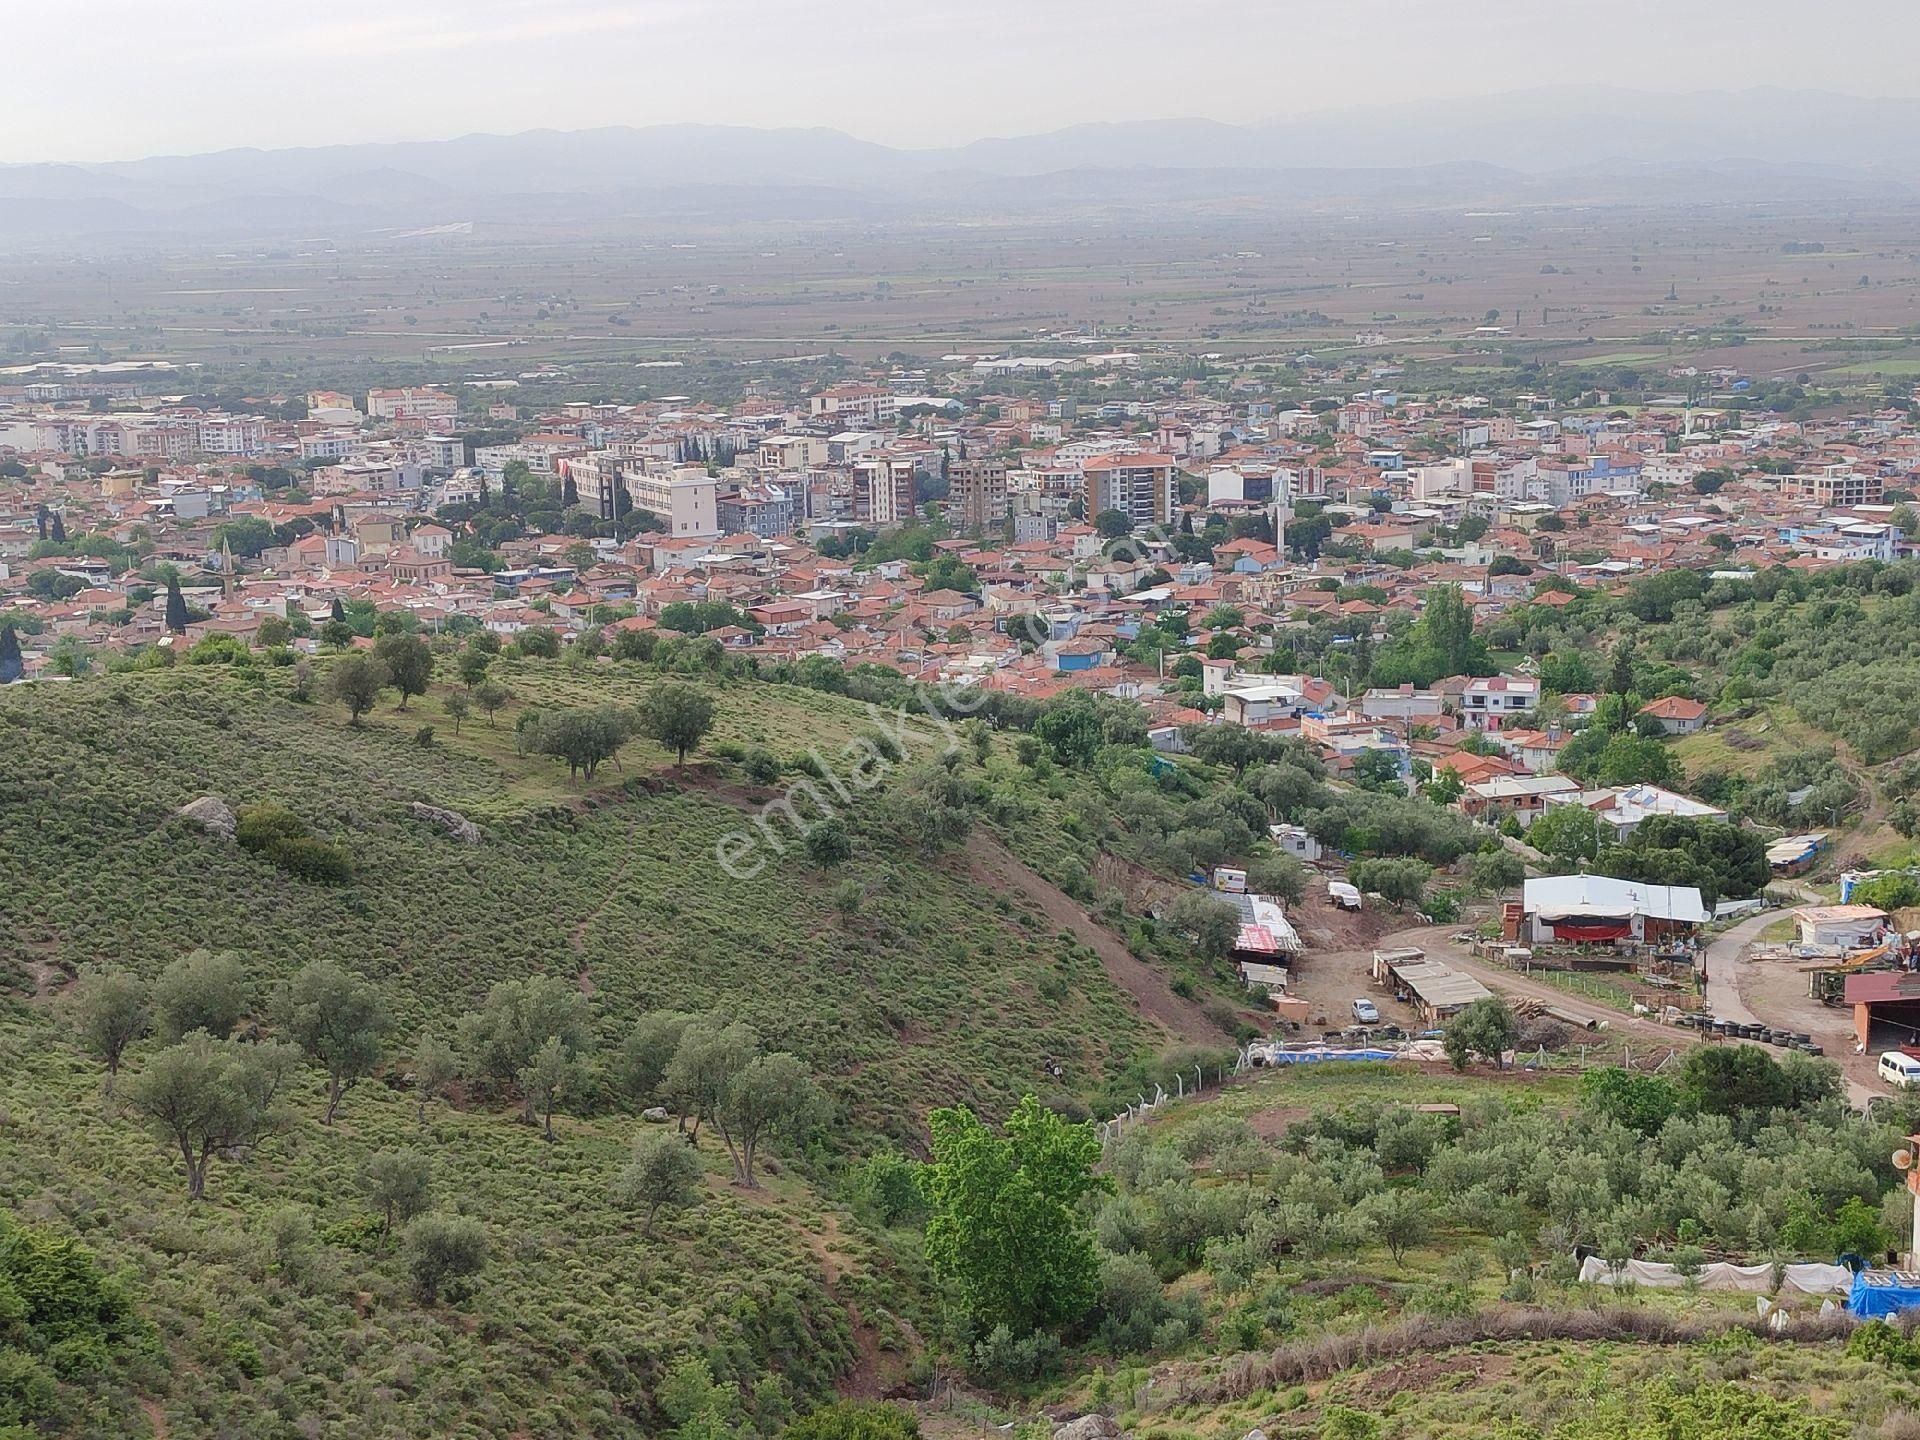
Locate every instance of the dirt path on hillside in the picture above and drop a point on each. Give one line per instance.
(999, 870)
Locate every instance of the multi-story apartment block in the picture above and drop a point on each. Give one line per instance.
(977, 493)
(1144, 488)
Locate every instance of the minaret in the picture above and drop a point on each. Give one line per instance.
(1282, 504)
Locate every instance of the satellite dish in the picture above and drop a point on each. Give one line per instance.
(1903, 1159)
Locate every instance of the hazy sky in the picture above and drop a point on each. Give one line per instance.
(117, 79)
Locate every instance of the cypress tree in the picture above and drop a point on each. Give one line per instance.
(12, 667)
(176, 606)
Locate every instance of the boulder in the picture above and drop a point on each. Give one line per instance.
(1090, 1427)
(211, 814)
(655, 1115)
(1254, 1435)
(451, 821)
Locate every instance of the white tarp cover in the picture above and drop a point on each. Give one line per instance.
(1808, 1279)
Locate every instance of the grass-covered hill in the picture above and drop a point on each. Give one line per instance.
(277, 1309)
(933, 990)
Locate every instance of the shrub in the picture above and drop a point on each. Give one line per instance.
(855, 1420)
(444, 1255)
(1002, 1357)
(277, 834)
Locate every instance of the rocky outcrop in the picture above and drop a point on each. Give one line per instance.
(451, 821)
(211, 814)
(1090, 1427)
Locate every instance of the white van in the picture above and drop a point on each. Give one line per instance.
(1899, 1069)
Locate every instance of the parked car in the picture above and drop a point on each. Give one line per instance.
(1899, 1069)
(1366, 1012)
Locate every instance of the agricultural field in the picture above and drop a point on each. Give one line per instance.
(1606, 287)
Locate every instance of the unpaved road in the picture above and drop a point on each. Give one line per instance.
(997, 868)
(1731, 983)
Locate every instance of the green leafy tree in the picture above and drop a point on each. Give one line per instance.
(501, 1039)
(1401, 1218)
(208, 1097)
(712, 1052)
(409, 664)
(1281, 876)
(664, 1174)
(356, 682)
(1485, 1028)
(1568, 833)
(772, 1095)
(1640, 1102)
(1005, 1225)
(435, 1067)
(1208, 923)
(553, 1072)
(457, 706)
(400, 1185)
(1399, 882)
(1495, 870)
(829, 843)
(339, 1021)
(677, 718)
(111, 1009)
(640, 1064)
(585, 739)
(444, 1255)
(492, 697)
(472, 667)
(205, 990)
(1733, 1079)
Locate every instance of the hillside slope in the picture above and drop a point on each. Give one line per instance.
(281, 1311)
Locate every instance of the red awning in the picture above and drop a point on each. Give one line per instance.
(1590, 930)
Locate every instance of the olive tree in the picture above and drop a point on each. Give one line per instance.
(434, 1068)
(338, 1019)
(208, 1097)
(111, 1009)
(206, 990)
(444, 1253)
(400, 1184)
(664, 1174)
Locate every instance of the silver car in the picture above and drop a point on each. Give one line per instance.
(1366, 1012)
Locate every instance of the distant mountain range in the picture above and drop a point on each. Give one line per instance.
(1568, 144)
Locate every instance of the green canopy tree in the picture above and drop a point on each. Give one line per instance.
(677, 717)
(356, 681)
(208, 1097)
(176, 611)
(409, 664)
(339, 1021)
(1485, 1028)
(111, 1009)
(1004, 1221)
(664, 1174)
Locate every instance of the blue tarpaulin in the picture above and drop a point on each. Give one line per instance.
(1315, 1057)
(1884, 1292)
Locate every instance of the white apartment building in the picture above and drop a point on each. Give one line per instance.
(423, 404)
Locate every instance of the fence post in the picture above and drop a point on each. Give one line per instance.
(1180, 1086)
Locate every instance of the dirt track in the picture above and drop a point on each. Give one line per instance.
(997, 868)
